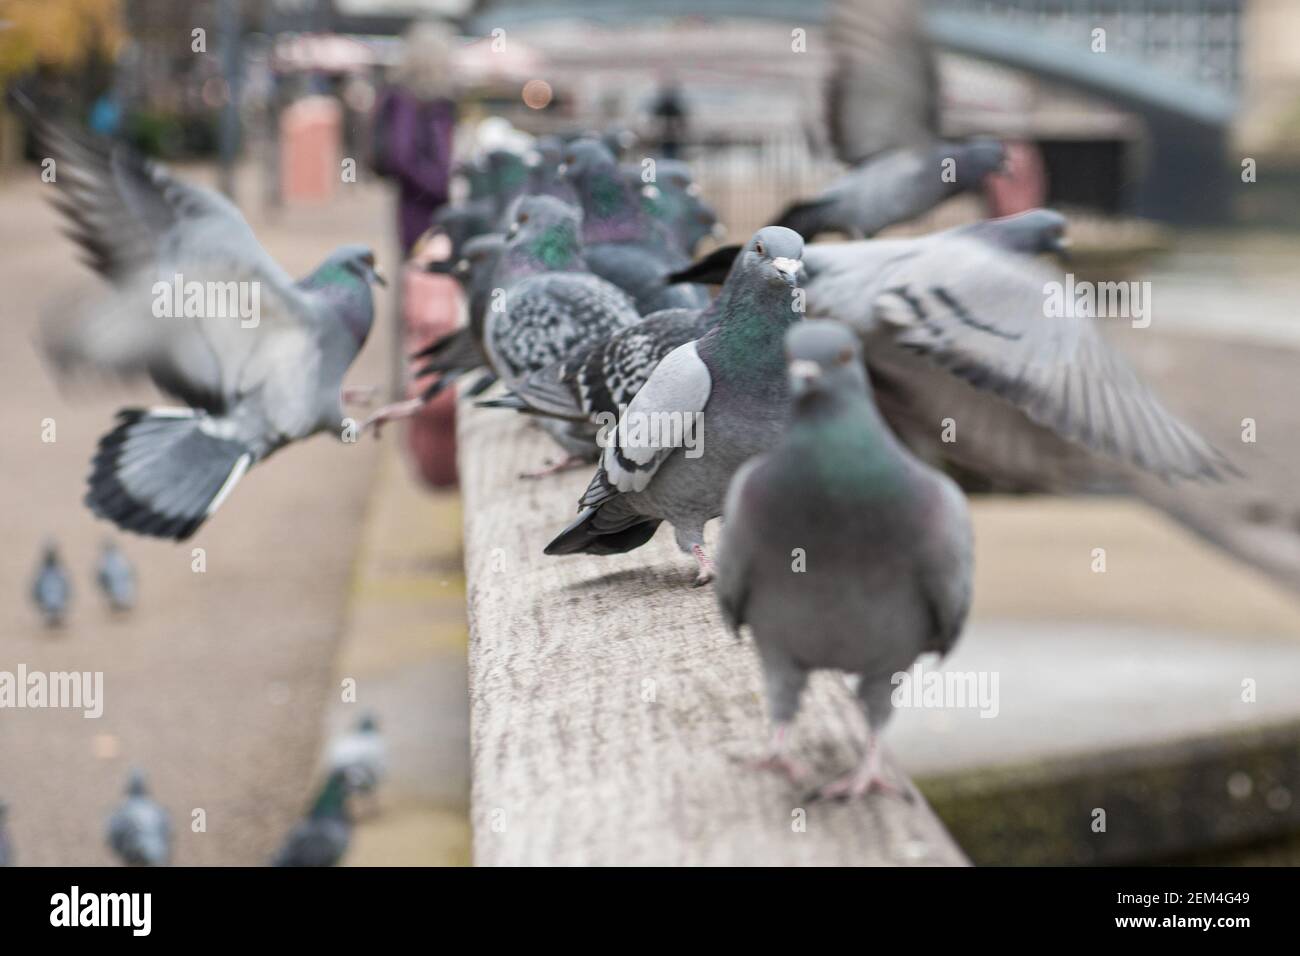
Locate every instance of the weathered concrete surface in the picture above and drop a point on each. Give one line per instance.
(611, 714)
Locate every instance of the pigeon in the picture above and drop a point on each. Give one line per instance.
(116, 577)
(885, 540)
(732, 379)
(323, 837)
(139, 830)
(6, 844)
(362, 755)
(458, 224)
(673, 199)
(52, 589)
(896, 186)
(193, 302)
(544, 171)
(622, 243)
(953, 328)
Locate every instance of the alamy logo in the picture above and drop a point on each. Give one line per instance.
(1100, 300)
(179, 299)
(631, 429)
(944, 690)
(65, 690)
(74, 908)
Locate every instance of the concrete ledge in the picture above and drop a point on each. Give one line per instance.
(611, 715)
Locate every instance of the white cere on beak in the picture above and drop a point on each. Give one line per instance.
(561, 169)
(804, 370)
(693, 189)
(719, 231)
(788, 266)
(650, 191)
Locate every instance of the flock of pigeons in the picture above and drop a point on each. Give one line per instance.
(52, 587)
(822, 374)
(139, 830)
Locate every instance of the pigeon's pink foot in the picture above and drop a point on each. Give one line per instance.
(555, 468)
(359, 394)
(706, 566)
(868, 777)
(778, 760)
(392, 413)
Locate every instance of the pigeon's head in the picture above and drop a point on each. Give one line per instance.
(136, 784)
(369, 723)
(546, 232)
(1040, 231)
(478, 261)
(776, 254)
(586, 159)
(507, 169)
(354, 260)
(547, 153)
(824, 356)
(619, 140)
(977, 158)
(50, 552)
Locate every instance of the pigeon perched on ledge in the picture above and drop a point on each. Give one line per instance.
(196, 305)
(841, 550)
(733, 380)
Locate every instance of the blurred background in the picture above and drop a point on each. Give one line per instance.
(1168, 132)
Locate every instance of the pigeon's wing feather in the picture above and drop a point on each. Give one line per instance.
(979, 314)
(680, 383)
(944, 548)
(731, 581)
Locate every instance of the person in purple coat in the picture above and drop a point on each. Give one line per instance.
(414, 124)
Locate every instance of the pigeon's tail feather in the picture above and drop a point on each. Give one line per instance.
(163, 471)
(456, 347)
(806, 218)
(508, 400)
(588, 534)
(709, 270)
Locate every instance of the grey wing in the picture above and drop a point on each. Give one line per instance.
(679, 384)
(979, 314)
(547, 317)
(735, 550)
(142, 228)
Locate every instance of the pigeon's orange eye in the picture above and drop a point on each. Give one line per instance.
(523, 218)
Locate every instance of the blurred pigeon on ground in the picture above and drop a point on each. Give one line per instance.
(6, 844)
(886, 539)
(116, 577)
(52, 589)
(362, 755)
(139, 831)
(195, 304)
(621, 242)
(323, 837)
(733, 379)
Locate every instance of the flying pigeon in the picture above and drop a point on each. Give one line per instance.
(323, 837)
(52, 589)
(116, 577)
(732, 379)
(885, 542)
(896, 186)
(362, 755)
(194, 303)
(622, 243)
(953, 327)
(139, 830)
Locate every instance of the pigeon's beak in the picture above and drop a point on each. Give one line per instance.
(719, 231)
(804, 373)
(1062, 246)
(432, 251)
(377, 276)
(693, 189)
(788, 268)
